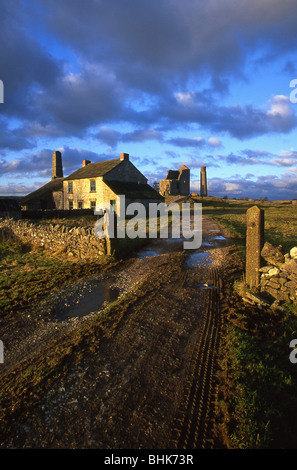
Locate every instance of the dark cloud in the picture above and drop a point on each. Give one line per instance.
(242, 122)
(112, 137)
(83, 69)
(172, 39)
(34, 163)
(133, 62)
(72, 158)
(40, 163)
(256, 157)
(13, 138)
(188, 142)
(19, 189)
(274, 187)
(26, 67)
(195, 142)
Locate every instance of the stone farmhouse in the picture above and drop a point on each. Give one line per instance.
(92, 185)
(176, 183)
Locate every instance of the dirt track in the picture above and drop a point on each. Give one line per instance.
(152, 382)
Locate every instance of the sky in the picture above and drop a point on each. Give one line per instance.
(193, 82)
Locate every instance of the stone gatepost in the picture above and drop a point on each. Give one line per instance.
(254, 245)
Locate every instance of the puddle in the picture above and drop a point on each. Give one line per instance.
(219, 237)
(198, 258)
(91, 300)
(147, 254)
(182, 239)
(174, 240)
(205, 286)
(206, 244)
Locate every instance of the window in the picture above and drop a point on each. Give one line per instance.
(113, 204)
(70, 205)
(70, 187)
(92, 186)
(80, 204)
(93, 205)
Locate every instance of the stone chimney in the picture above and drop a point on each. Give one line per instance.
(86, 162)
(57, 169)
(125, 157)
(203, 182)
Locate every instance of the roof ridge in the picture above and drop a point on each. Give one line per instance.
(86, 171)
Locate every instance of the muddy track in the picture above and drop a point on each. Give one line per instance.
(193, 425)
(150, 384)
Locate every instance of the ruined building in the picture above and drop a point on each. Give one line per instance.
(177, 182)
(203, 182)
(92, 185)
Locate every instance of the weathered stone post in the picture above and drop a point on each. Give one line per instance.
(254, 245)
(111, 229)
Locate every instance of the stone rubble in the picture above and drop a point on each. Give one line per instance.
(279, 277)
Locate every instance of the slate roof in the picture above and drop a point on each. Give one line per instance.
(92, 170)
(53, 185)
(134, 190)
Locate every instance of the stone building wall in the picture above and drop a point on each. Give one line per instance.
(168, 187)
(184, 181)
(81, 192)
(58, 200)
(127, 172)
(80, 242)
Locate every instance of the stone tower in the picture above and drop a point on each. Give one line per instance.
(184, 181)
(57, 169)
(203, 182)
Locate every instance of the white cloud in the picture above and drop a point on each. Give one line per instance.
(214, 142)
(186, 98)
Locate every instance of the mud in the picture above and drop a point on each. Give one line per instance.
(148, 384)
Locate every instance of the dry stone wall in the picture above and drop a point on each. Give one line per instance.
(80, 242)
(279, 276)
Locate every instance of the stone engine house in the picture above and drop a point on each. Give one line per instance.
(177, 182)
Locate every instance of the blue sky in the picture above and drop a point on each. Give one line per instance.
(197, 82)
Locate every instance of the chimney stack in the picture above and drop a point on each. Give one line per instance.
(86, 162)
(125, 157)
(203, 182)
(57, 169)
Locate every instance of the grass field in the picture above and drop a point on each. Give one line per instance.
(280, 220)
(27, 274)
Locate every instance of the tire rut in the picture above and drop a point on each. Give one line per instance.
(193, 424)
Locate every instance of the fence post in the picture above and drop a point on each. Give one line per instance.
(254, 245)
